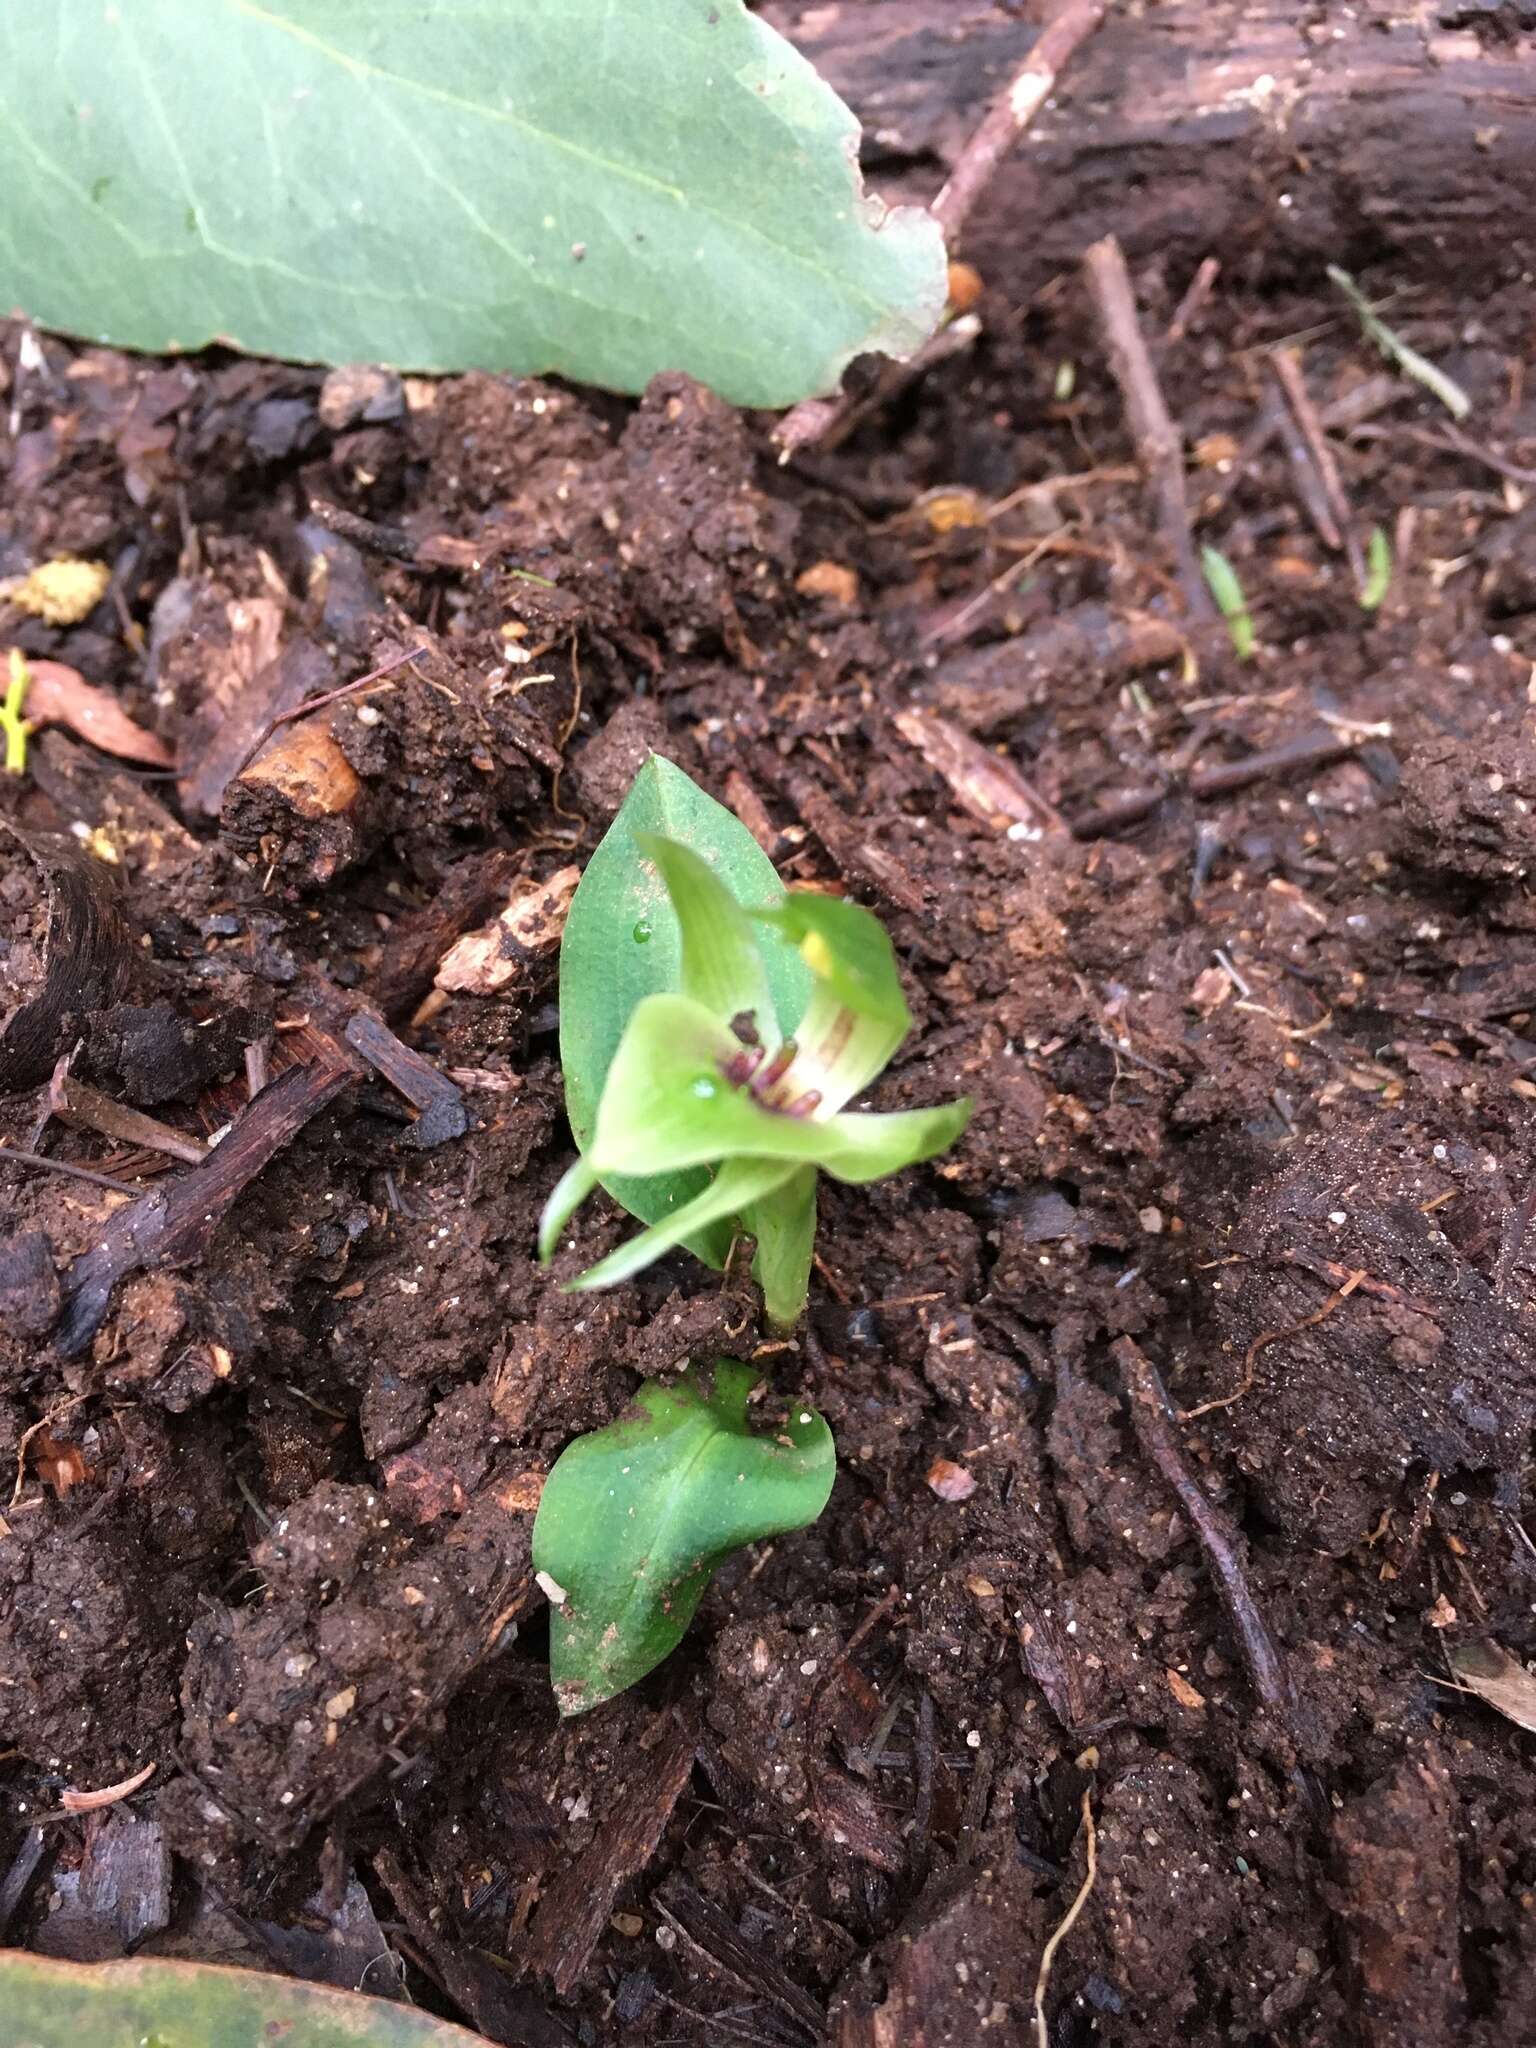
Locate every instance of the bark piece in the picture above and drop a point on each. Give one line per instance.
(171, 1226)
(1401, 1884)
(482, 963)
(443, 1115)
(29, 1286)
(85, 1108)
(1203, 127)
(87, 955)
(1086, 648)
(120, 1893)
(296, 806)
(467, 892)
(575, 1910)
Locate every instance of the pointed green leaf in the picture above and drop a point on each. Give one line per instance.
(604, 190)
(722, 963)
(566, 1197)
(847, 949)
(857, 1015)
(635, 1518)
(45, 2004)
(784, 1225)
(742, 1187)
(623, 942)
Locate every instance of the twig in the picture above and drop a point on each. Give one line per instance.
(171, 1225)
(85, 1108)
(1158, 441)
(1200, 288)
(72, 1801)
(1316, 749)
(1010, 114)
(319, 703)
(1068, 1920)
(1450, 441)
(1277, 416)
(1250, 1358)
(391, 541)
(1217, 1538)
(66, 1166)
(1288, 375)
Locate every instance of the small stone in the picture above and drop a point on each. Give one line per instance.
(950, 1481)
(360, 394)
(834, 581)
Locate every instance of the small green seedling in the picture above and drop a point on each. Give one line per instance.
(1378, 571)
(1231, 600)
(17, 730)
(635, 1518)
(709, 1048)
(1396, 350)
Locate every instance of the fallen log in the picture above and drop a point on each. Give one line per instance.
(1278, 137)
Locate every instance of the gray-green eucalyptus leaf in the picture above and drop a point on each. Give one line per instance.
(603, 188)
(163, 2004)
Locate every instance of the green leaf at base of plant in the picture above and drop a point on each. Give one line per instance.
(635, 1518)
(161, 2004)
(600, 188)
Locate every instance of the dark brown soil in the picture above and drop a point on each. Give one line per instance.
(1254, 1068)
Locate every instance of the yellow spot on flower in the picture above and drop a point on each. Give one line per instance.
(817, 955)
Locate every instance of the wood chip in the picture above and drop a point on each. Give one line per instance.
(635, 1805)
(92, 1802)
(833, 581)
(485, 961)
(987, 785)
(1183, 1691)
(1497, 1677)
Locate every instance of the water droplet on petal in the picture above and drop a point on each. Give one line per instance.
(642, 931)
(706, 1086)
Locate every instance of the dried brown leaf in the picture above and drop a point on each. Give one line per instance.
(1497, 1677)
(60, 695)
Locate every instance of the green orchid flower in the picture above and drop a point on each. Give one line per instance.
(711, 1117)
